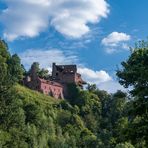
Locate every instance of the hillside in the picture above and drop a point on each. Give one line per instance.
(35, 120)
(38, 121)
(29, 95)
(90, 118)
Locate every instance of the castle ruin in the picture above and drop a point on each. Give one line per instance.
(62, 75)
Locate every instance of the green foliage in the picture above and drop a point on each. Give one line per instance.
(15, 68)
(86, 118)
(135, 70)
(135, 74)
(35, 67)
(92, 87)
(73, 94)
(4, 138)
(4, 57)
(10, 68)
(42, 73)
(124, 145)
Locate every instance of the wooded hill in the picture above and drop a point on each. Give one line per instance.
(88, 118)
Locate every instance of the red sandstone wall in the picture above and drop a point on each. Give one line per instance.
(55, 91)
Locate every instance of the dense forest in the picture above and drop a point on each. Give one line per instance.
(89, 118)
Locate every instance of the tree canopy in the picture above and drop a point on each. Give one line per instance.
(134, 74)
(11, 70)
(135, 70)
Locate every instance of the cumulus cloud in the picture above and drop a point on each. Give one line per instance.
(27, 18)
(115, 40)
(101, 78)
(24, 18)
(92, 76)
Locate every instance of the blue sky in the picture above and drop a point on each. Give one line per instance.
(94, 34)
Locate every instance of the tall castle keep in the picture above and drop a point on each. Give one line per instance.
(62, 75)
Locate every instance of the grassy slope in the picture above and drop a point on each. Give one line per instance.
(29, 95)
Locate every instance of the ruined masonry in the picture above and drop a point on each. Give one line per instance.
(62, 75)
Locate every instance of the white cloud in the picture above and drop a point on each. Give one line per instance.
(111, 86)
(47, 57)
(116, 40)
(101, 78)
(24, 18)
(27, 18)
(92, 76)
